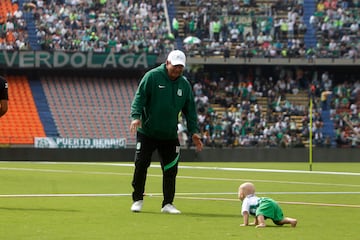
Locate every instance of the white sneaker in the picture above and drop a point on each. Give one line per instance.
(137, 206)
(169, 208)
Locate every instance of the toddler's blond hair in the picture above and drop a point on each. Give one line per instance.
(247, 188)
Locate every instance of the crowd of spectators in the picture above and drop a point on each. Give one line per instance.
(13, 30)
(337, 26)
(231, 29)
(268, 29)
(247, 29)
(345, 113)
(240, 119)
(89, 25)
(102, 26)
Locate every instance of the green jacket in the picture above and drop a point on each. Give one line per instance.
(158, 102)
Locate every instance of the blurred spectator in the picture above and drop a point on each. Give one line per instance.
(324, 99)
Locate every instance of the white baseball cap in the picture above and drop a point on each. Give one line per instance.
(177, 57)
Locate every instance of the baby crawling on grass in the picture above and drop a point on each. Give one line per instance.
(260, 207)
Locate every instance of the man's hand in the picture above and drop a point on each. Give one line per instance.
(135, 124)
(197, 142)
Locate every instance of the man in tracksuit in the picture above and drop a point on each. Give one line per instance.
(162, 94)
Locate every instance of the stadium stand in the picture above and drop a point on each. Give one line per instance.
(7, 8)
(83, 106)
(90, 107)
(22, 122)
(43, 107)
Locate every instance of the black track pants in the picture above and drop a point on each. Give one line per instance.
(169, 152)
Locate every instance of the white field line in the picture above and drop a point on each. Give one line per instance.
(159, 175)
(271, 170)
(179, 177)
(64, 195)
(160, 194)
(64, 171)
(269, 181)
(293, 203)
(184, 196)
(194, 167)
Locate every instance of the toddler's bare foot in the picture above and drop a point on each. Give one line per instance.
(261, 225)
(293, 222)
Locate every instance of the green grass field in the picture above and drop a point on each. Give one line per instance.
(73, 201)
